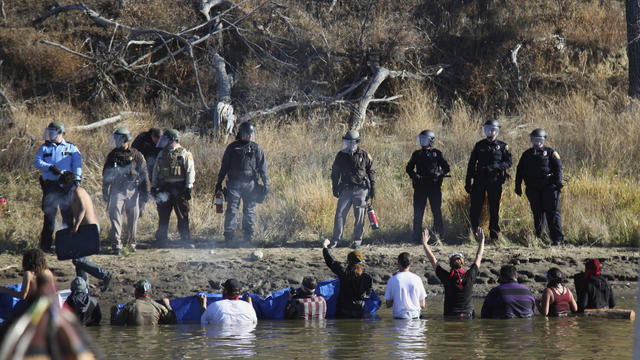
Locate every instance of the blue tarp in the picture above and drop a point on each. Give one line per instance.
(187, 309)
(8, 302)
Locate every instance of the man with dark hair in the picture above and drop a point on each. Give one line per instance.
(405, 291)
(510, 299)
(83, 214)
(146, 143)
(230, 310)
(143, 310)
(458, 283)
(304, 303)
(54, 157)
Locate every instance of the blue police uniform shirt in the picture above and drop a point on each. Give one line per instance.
(65, 156)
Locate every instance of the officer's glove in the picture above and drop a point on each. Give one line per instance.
(416, 179)
(468, 188)
(218, 188)
(372, 192)
(155, 191)
(336, 192)
(519, 190)
(54, 169)
(187, 194)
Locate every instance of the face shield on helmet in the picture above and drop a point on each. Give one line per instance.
(490, 131)
(163, 142)
(117, 140)
(248, 135)
(51, 134)
(349, 146)
(424, 140)
(537, 141)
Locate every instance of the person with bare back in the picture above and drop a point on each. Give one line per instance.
(83, 214)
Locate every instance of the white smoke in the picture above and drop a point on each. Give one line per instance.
(161, 197)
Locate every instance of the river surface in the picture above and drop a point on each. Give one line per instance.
(382, 338)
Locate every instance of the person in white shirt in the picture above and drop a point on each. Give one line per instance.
(230, 310)
(405, 291)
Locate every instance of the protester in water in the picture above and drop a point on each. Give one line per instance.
(47, 331)
(34, 263)
(593, 290)
(355, 284)
(83, 214)
(304, 303)
(85, 306)
(143, 310)
(457, 282)
(231, 310)
(557, 299)
(405, 291)
(509, 299)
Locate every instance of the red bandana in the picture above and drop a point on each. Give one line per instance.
(592, 267)
(459, 272)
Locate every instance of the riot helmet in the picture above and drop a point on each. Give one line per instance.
(246, 132)
(120, 137)
(53, 130)
(350, 141)
(538, 138)
(168, 136)
(426, 138)
(491, 128)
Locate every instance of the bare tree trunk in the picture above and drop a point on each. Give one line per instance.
(633, 46)
(224, 110)
(359, 114)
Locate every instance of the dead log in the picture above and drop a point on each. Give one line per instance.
(206, 6)
(359, 114)
(107, 121)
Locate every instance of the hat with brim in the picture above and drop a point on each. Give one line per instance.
(232, 286)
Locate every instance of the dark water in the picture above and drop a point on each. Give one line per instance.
(384, 338)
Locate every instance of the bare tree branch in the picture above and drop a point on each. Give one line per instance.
(206, 6)
(94, 15)
(60, 46)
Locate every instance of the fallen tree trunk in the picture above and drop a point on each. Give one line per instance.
(107, 121)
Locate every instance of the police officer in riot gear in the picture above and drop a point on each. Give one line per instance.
(125, 185)
(242, 163)
(353, 180)
(171, 185)
(487, 168)
(54, 157)
(426, 168)
(541, 169)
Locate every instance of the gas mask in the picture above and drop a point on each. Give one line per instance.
(117, 141)
(50, 134)
(537, 142)
(490, 131)
(425, 140)
(349, 146)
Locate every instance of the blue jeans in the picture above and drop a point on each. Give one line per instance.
(85, 267)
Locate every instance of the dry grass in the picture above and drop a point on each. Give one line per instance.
(600, 202)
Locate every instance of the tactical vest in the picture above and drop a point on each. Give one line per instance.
(427, 164)
(243, 162)
(123, 169)
(171, 166)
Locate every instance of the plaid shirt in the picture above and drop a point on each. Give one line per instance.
(312, 307)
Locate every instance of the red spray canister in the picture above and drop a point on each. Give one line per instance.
(373, 219)
(218, 202)
(3, 204)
